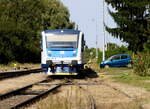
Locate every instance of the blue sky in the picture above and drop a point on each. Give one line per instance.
(88, 14)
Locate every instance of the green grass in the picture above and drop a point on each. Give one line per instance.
(127, 76)
(115, 71)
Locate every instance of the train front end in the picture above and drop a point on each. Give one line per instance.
(62, 52)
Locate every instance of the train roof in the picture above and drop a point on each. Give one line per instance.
(62, 31)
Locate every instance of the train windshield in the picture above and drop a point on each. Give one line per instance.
(62, 41)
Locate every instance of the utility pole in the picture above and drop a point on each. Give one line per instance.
(96, 25)
(96, 42)
(103, 30)
(96, 37)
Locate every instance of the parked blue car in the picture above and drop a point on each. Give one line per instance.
(120, 60)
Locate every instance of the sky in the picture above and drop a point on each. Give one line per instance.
(88, 15)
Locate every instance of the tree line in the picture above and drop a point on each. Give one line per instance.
(21, 22)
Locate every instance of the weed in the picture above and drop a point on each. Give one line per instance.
(132, 79)
(125, 76)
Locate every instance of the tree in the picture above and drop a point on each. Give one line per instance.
(55, 16)
(132, 24)
(147, 44)
(111, 46)
(113, 49)
(21, 23)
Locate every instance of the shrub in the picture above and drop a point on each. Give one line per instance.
(141, 64)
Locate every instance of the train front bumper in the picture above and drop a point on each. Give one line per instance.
(49, 73)
(60, 69)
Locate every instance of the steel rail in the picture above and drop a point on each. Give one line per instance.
(13, 92)
(70, 84)
(34, 96)
(29, 101)
(93, 105)
(9, 74)
(106, 84)
(90, 97)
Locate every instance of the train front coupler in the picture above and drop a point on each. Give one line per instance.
(51, 66)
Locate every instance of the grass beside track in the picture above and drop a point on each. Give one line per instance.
(17, 66)
(126, 75)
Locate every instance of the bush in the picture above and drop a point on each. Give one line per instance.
(141, 64)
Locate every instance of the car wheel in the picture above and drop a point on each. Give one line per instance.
(129, 65)
(106, 66)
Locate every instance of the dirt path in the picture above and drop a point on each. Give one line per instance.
(18, 82)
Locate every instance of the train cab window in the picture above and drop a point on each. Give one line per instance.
(62, 41)
(61, 44)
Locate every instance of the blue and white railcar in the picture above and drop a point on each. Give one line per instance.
(62, 51)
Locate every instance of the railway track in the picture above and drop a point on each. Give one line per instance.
(123, 93)
(88, 95)
(90, 98)
(31, 93)
(107, 85)
(10, 74)
(26, 95)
